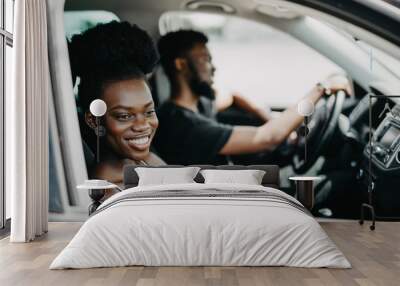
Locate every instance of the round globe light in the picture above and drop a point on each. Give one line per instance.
(305, 107)
(98, 107)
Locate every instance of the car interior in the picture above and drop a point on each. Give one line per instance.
(272, 52)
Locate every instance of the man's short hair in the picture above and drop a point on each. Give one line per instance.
(176, 44)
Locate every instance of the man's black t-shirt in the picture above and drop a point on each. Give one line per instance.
(186, 137)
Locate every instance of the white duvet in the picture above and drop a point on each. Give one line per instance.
(207, 230)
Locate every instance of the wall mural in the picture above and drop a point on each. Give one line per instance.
(119, 69)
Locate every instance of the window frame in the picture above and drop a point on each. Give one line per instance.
(6, 39)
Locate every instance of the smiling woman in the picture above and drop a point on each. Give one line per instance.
(130, 121)
(111, 61)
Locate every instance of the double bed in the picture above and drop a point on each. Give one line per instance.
(201, 224)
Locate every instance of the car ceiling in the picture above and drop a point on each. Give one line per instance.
(144, 12)
(147, 12)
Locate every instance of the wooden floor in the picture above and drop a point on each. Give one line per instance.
(375, 257)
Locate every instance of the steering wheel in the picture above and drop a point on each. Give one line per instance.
(321, 129)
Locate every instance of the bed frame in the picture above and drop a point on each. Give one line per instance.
(270, 179)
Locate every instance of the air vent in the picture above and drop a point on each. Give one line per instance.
(210, 6)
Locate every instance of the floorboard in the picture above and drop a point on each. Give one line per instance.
(374, 255)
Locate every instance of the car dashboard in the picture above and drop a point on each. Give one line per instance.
(380, 169)
(384, 148)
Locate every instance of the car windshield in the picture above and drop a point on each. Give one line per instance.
(268, 58)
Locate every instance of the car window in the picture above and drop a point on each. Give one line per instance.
(254, 59)
(63, 196)
(76, 22)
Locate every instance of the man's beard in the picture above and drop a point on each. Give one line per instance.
(198, 86)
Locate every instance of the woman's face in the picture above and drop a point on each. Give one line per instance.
(130, 120)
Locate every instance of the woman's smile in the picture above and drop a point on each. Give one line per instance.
(139, 142)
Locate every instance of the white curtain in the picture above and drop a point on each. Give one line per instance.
(27, 123)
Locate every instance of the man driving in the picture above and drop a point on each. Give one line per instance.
(189, 132)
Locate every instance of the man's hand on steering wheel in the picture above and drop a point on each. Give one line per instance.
(335, 82)
(324, 121)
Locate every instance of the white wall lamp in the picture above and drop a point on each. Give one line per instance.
(98, 108)
(305, 108)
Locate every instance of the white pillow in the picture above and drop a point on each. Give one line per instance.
(162, 176)
(248, 177)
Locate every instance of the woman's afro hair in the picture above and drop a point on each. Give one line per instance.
(112, 50)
